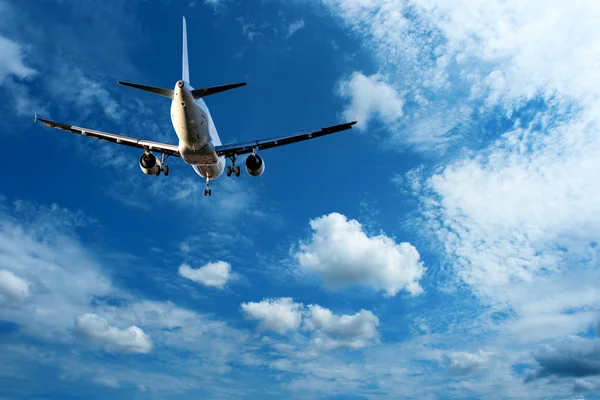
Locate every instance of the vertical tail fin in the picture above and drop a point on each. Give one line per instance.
(185, 76)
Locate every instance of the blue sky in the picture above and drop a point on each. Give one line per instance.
(444, 248)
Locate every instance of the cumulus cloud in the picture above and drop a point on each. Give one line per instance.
(13, 287)
(571, 356)
(369, 97)
(342, 254)
(12, 61)
(463, 363)
(327, 330)
(215, 274)
(343, 331)
(97, 329)
(278, 315)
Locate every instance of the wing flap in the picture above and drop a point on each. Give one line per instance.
(169, 149)
(229, 150)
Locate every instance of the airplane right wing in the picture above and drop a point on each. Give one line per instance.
(236, 149)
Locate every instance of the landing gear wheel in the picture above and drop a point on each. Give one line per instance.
(207, 191)
(158, 172)
(166, 170)
(228, 170)
(237, 170)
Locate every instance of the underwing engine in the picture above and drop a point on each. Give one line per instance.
(149, 164)
(255, 166)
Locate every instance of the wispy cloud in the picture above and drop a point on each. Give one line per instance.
(294, 27)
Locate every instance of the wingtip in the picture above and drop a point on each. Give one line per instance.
(34, 117)
(353, 122)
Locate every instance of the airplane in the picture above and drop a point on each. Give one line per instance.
(199, 143)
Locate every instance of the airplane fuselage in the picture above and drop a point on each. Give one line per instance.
(197, 133)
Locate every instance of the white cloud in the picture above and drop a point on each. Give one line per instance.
(215, 4)
(342, 254)
(448, 57)
(108, 382)
(12, 61)
(370, 96)
(97, 329)
(343, 331)
(295, 27)
(215, 274)
(68, 290)
(464, 363)
(327, 330)
(279, 315)
(12, 287)
(586, 385)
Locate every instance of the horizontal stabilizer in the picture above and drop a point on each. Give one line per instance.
(161, 92)
(198, 93)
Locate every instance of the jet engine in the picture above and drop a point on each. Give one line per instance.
(255, 166)
(149, 164)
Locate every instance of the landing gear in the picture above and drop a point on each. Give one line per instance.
(233, 169)
(207, 191)
(164, 168)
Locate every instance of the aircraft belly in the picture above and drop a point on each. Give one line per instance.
(213, 171)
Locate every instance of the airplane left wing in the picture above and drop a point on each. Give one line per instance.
(236, 149)
(167, 149)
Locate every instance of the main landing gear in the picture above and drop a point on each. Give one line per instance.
(233, 168)
(164, 168)
(207, 191)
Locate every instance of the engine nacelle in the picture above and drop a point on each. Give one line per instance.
(255, 166)
(149, 164)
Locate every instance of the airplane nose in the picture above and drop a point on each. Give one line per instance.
(180, 83)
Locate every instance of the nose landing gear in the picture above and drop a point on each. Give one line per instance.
(207, 191)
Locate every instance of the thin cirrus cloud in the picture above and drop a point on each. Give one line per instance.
(342, 254)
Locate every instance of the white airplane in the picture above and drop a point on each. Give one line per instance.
(199, 143)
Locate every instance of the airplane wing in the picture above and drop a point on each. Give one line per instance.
(168, 149)
(236, 149)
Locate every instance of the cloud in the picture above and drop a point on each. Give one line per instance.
(12, 61)
(370, 97)
(571, 356)
(463, 363)
(342, 254)
(108, 382)
(69, 293)
(278, 315)
(585, 385)
(295, 27)
(215, 274)
(12, 287)
(97, 329)
(327, 330)
(216, 4)
(345, 331)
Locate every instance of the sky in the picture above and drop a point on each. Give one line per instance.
(444, 248)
